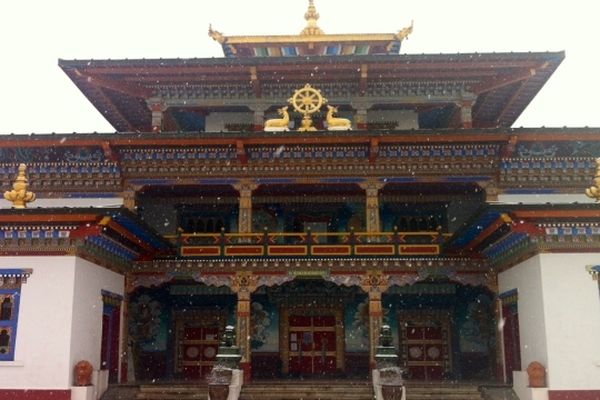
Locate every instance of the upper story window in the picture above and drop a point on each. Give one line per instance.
(289, 51)
(10, 293)
(361, 49)
(261, 52)
(333, 50)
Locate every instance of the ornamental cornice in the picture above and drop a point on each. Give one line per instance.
(388, 265)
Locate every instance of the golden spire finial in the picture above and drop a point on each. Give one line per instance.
(216, 35)
(19, 196)
(594, 191)
(311, 16)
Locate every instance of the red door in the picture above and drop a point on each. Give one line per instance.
(425, 352)
(512, 345)
(425, 344)
(312, 345)
(198, 350)
(109, 350)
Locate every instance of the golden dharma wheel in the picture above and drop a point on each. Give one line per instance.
(307, 100)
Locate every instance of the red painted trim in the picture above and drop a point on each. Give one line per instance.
(48, 218)
(327, 250)
(291, 250)
(593, 394)
(417, 249)
(30, 394)
(370, 249)
(200, 251)
(244, 251)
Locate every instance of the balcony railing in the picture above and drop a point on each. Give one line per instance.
(309, 244)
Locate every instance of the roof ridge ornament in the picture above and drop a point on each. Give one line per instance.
(19, 196)
(216, 35)
(404, 32)
(311, 16)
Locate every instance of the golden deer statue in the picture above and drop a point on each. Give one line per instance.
(337, 124)
(278, 124)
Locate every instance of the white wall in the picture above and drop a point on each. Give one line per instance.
(56, 322)
(526, 278)
(559, 317)
(572, 314)
(44, 328)
(86, 330)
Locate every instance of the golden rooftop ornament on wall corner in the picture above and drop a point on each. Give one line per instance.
(19, 196)
(594, 191)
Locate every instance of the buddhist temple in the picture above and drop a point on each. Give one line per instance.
(307, 189)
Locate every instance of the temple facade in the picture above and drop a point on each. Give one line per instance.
(306, 189)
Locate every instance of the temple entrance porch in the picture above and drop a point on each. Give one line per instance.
(313, 328)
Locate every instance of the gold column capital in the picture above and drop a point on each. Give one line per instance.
(372, 186)
(375, 282)
(244, 283)
(245, 187)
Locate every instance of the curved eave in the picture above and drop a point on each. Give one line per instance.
(505, 82)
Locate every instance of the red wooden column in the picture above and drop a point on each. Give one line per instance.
(375, 283)
(244, 283)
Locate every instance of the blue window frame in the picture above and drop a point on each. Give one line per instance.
(333, 50)
(10, 295)
(289, 51)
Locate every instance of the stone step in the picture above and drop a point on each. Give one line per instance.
(311, 390)
(172, 392)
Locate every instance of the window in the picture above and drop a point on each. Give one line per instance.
(261, 52)
(289, 51)
(333, 50)
(362, 49)
(10, 293)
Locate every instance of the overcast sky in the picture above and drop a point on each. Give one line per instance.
(36, 96)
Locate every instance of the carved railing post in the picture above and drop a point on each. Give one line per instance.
(373, 219)
(245, 188)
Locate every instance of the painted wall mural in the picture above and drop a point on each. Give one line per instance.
(265, 326)
(475, 332)
(145, 323)
(357, 325)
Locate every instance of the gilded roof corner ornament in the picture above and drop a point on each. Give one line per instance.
(311, 16)
(19, 196)
(593, 192)
(404, 32)
(216, 35)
